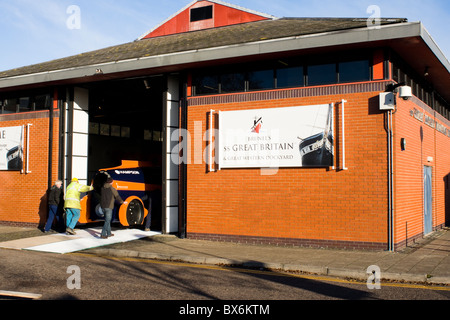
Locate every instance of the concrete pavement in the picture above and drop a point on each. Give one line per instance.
(426, 261)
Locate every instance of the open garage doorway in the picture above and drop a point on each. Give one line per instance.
(126, 132)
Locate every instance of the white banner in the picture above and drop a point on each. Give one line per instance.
(275, 138)
(11, 148)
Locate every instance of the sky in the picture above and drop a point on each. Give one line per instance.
(35, 31)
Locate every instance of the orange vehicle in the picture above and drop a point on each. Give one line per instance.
(136, 182)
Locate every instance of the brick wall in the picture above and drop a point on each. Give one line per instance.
(319, 207)
(23, 199)
(422, 141)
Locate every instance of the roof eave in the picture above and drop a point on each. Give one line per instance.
(327, 39)
(428, 39)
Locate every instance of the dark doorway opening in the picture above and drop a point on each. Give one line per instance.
(126, 123)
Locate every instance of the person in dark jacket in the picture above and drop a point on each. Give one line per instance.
(55, 207)
(109, 196)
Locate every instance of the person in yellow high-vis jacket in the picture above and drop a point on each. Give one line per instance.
(72, 204)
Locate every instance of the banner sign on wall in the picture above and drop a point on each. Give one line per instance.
(11, 148)
(277, 138)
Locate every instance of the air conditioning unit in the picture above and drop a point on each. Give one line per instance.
(387, 101)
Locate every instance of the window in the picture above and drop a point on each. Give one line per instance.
(427, 99)
(259, 80)
(290, 77)
(104, 129)
(414, 88)
(42, 102)
(232, 82)
(409, 80)
(125, 132)
(115, 131)
(321, 74)
(94, 128)
(206, 84)
(24, 104)
(10, 106)
(401, 76)
(157, 136)
(148, 135)
(420, 93)
(395, 73)
(286, 73)
(203, 13)
(353, 71)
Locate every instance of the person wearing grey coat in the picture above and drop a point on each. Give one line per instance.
(109, 196)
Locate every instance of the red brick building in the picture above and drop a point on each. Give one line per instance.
(374, 100)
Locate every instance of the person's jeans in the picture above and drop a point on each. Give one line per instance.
(52, 213)
(72, 216)
(106, 231)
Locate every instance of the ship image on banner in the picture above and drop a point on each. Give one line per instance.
(276, 137)
(11, 148)
(317, 150)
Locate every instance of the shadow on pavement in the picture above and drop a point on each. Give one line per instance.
(263, 284)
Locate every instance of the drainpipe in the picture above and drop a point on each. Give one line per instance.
(390, 182)
(390, 162)
(53, 106)
(390, 105)
(61, 143)
(69, 134)
(344, 167)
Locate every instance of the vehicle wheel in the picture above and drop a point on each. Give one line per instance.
(135, 213)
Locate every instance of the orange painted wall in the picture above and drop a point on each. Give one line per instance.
(299, 203)
(378, 64)
(225, 16)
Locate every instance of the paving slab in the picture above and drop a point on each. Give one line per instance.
(21, 244)
(8, 229)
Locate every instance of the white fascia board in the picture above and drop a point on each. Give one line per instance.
(428, 39)
(265, 15)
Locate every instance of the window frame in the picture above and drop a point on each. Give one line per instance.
(199, 14)
(303, 63)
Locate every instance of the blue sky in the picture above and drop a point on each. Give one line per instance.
(34, 31)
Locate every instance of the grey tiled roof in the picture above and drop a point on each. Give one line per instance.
(209, 38)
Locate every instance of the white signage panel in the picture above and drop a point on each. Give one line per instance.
(276, 138)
